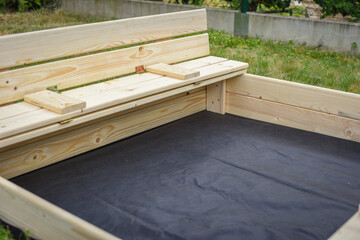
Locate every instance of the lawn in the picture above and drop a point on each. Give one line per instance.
(282, 60)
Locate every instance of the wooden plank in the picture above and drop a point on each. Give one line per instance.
(350, 230)
(56, 102)
(295, 117)
(111, 96)
(18, 49)
(44, 220)
(15, 140)
(215, 99)
(172, 71)
(47, 151)
(297, 94)
(73, 72)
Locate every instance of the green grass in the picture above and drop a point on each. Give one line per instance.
(286, 60)
(282, 60)
(16, 22)
(5, 234)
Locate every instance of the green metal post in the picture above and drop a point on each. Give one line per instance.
(244, 6)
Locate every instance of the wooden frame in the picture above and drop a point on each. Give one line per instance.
(319, 110)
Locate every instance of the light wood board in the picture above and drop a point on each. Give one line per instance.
(172, 71)
(350, 230)
(43, 219)
(47, 151)
(18, 49)
(110, 94)
(295, 117)
(297, 94)
(77, 71)
(216, 94)
(56, 102)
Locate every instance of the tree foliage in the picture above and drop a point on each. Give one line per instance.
(344, 7)
(329, 7)
(25, 5)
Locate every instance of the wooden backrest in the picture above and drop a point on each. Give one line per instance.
(19, 49)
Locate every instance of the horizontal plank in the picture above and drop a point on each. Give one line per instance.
(73, 72)
(47, 151)
(350, 230)
(37, 46)
(56, 102)
(297, 94)
(172, 71)
(103, 95)
(295, 117)
(44, 220)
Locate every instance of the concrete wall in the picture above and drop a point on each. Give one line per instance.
(220, 19)
(337, 36)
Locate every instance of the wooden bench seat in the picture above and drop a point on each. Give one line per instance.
(110, 93)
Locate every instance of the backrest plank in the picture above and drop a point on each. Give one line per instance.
(42, 45)
(68, 73)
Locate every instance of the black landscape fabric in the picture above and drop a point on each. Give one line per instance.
(210, 176)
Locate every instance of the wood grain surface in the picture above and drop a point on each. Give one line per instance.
(22, 48)
(44, 220)
(47, 151)
(295, 117)
(68, 73)
(56, 102)
(297, 94)
(107, 94)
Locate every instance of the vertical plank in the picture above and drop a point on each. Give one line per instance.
(215, 99)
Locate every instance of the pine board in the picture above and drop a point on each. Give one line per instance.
(25, 210)
(295, 117)
(77, 71)
(297, 94)
(56, 102)
(47, 151)
(350, 230)
(23, 48)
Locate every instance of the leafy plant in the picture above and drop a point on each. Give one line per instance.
(25, 5)
(344, 7)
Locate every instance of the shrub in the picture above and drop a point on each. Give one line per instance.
(345, 7)
(25, 5)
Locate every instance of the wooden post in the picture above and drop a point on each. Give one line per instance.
(216, 97)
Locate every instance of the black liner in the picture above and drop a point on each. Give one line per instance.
(210, 176)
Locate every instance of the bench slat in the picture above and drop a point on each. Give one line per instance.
(22, 48)
(133, 87)
(73, 72)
